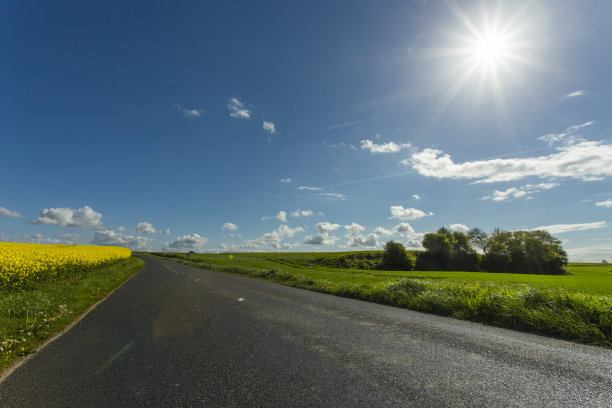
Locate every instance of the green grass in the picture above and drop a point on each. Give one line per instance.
(29, 317)
(576, 306)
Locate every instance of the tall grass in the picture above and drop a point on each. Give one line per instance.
(556, 312)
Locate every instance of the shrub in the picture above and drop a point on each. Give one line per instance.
(396, 258)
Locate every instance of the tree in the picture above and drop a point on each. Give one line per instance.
(524, 252)
(397, 258)
(448, 250)
(479, 239)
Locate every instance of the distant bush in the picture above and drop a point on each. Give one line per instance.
(446, 250)
(356, 260)
(396, 258)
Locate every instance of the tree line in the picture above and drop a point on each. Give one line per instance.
(500, 251)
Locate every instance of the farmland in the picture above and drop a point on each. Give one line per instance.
(576, 306)
(45, 287)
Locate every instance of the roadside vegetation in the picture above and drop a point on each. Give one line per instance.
(45, 287)
(575, 305)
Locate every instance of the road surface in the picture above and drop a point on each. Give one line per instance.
(175, 336)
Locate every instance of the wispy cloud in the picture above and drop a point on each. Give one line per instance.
(575, 93)
(347, 124)
(587, 161)
(389, 147)
(269, 127)
(561, 228)
(525, 192)
(286, 180)
(333, 196)
(301, 213)
(567, 136)
(281, 216)
(301, 188)
(5, 212)
(189, 113)
(237, 109)
(607, 204)
(416, 196)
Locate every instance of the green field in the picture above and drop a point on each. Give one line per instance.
(576, 306)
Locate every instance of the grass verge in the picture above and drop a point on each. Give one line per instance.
(29, 317)
(542, 309)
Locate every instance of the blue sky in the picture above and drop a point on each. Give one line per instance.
(304, 126)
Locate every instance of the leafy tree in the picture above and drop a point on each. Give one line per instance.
(397, 258)
(479, 239)
(448, 250)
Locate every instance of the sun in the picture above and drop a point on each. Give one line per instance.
(490, 49)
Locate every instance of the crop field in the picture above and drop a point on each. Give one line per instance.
(22, 265)
(44, 287)
(576, 306)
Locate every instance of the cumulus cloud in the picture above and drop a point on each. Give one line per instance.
(561, 228)
(186, 243)
(309, 188)
(322, 237)
(281, 216)
(575, 93)
(353, 229)
(147, 228)
(189, 113)
(301, 213)
(228, 226)
(108, 237)
(362, 241)
(36, 239)
(84, 217)
(389, 147)
(5, 212)
(459, 227)
(585, 160)
(416, 196)
(525, 192)
(286, 180)
(269, 127)
(237, 109)
(273, 239)
(400, 213)
(607, 204)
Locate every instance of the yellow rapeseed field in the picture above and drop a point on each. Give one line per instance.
(23, 264)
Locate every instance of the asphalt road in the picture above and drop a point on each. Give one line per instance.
(175, 336)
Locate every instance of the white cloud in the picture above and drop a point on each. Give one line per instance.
(120, 229)
(416, 196)
(587, 161)
(36, 239)
(323, 237)
(361, 241)
(286, 180)
(333, 196)
(301, 213)
(269, 127)
(273, 239)
(525, 192)
(185, 243)
(108, 237)
(144, 228)
(237, 109)
(309, 188)
(67, 217)
(5, 212)
(389, 147)
(561, 228)
(567, 136)
(281, 216)
(381, 232)
(353, 229)
(459, 227)
(400, 213)
(341, 125)
(228, 226)
(607, 203)
(575, 93)
(190, 113)
(590, 254)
